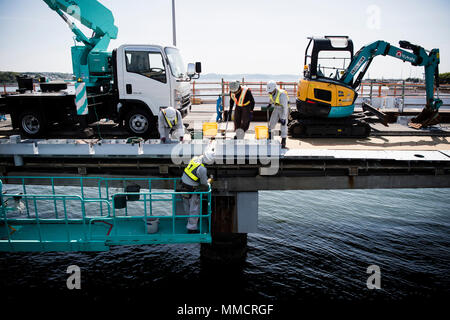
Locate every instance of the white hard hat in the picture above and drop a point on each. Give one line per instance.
(208, 157)
(271, 86)
(171, 113)
(234, 86)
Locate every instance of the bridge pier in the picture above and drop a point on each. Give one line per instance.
(228, 246)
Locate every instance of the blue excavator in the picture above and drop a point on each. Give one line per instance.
(325, 104)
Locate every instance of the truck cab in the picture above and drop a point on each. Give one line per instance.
(148, 78)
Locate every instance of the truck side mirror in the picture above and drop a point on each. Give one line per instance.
(190, 70)
(198, 67)
(193, 70)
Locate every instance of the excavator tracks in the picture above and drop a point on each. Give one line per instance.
(328, 128)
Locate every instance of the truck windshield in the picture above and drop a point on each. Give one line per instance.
(176, 62)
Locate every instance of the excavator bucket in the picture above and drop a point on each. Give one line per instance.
(426, 118)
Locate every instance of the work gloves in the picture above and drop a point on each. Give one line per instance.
(283, 122)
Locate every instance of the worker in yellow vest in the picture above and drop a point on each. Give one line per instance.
(242, 97)
(195, 178)
(279, 100)
(170, 124)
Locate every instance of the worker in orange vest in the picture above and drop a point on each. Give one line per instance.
(242, 97)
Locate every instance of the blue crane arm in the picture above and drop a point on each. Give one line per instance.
(418, 57)
(91, 61)
(91, 14)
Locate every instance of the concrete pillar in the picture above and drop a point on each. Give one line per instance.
(227, 247)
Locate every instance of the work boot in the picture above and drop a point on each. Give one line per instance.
(283, 143)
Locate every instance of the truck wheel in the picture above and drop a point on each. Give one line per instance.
(139, 122)
(31, 123)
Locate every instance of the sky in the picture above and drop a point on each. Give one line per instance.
(234, 36)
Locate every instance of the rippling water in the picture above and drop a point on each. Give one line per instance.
(311, 245)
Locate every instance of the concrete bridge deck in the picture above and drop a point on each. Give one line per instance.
(379, 161)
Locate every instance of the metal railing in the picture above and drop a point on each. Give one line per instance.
(106, 212)
(209, 91)
(203, 91)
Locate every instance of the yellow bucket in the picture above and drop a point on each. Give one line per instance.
(209, 129)
(261, 132)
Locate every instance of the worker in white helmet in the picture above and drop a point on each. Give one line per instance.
(170, 124)
(242, 97)
(195, 178)
(279, 100)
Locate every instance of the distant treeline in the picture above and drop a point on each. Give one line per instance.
(7, 77)
(444, 78)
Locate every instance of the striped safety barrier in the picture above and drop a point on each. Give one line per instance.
(81, 98)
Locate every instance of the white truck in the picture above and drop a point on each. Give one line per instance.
(128, 85)
(150, 77)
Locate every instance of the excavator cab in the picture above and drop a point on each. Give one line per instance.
(320, 93)
(327, 57)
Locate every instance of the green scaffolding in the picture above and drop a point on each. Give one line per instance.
(92, 221)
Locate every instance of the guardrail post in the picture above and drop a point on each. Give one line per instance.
(200, 212)
(3, 213)
(38, 223)
(223, 99)
(403, 95)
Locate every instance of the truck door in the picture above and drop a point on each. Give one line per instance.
(145, 77)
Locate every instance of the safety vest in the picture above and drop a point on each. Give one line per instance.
(169, 123)
(240, 102)
(277, 98)
(192, 167)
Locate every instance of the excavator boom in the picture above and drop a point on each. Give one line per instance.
(418, 57)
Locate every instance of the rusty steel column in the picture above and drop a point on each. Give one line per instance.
(227, 247)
